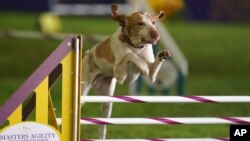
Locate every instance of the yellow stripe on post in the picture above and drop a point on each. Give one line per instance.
(42, 101)
(52, 114)
(16, 116)
(67, 96)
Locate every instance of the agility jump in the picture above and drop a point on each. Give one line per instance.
(166, 120)
(65, 61)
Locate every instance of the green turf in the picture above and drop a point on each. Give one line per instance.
(218, 65)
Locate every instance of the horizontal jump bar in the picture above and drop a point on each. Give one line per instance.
(166, 99)
(166, 120)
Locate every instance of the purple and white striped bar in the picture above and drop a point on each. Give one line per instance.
(164, 120)
(166, 99)
(161, 139)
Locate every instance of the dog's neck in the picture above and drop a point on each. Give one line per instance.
(125, 38)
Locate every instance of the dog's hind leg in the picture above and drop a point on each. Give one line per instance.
(105, 86)
(85, 90)
(86, 87)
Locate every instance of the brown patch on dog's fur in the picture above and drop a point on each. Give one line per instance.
(122, 38)
(132, 24)
(103, 50)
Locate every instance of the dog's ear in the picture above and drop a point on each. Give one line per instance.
(120, 18)
(161, 15)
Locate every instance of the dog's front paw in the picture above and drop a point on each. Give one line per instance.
(144, 69)
(120, 75)
(120, 79)
(165, 54)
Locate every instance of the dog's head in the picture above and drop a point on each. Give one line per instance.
(139, 27)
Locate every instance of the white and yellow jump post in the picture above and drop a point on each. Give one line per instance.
(64, 62)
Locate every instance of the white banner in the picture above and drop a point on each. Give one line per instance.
(29, 131)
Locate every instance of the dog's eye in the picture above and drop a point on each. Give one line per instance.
(140, 23)
(153, 22)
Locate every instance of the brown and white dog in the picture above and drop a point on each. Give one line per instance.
(123, 56)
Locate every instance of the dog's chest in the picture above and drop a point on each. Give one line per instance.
(111, 52)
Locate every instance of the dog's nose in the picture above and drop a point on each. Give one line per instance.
(154, 34)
